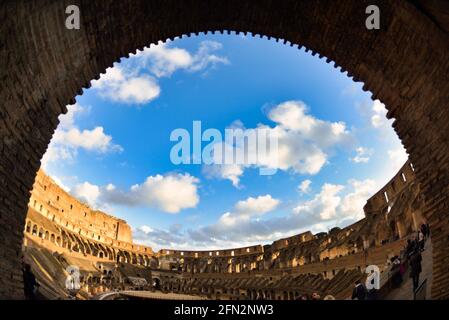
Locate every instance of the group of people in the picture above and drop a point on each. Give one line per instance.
(412, 256)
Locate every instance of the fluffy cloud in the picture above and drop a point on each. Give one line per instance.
(246, 209)
(231, 172)
(397, 157)
(68, 139)
(163, 60)
(352, 203)
(303, 143)
(246, 224)
(259, 205)
(362, 155)
(292, 115)
(323, 204)
(120, 85)
(88, 193)
(132, 83)
(304, 186)
(379, 117)
(92, 140)
(170, 193)
(391, 145)
(158, 238)
(60, 183)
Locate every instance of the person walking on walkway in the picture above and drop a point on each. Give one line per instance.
(421, 240)
(424, 230)
(415, 268)
(359, 291)
(29, 283)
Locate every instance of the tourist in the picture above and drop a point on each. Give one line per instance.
(396, 278)
(415, 268)
(421, 241)
(316, 296)
(29, 283)
(424, 230)
(372, 294)
(359, 291)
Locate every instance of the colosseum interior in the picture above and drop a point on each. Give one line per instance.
(60, 231)
(44, 66)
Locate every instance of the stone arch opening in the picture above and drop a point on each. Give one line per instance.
(415, 92)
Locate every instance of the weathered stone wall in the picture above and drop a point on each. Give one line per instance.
(58, 219)
(56, 204)
(44, 66)
(386, 196)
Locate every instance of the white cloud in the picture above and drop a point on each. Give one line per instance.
(231, 172)
(362, 155)
(131, 83)
(60, 183)
(67, 121)
(246, 224)
(92, 140)
(121, 85)
(170, 193)
(261, 204)
(163, 60)
(353, 202)
(249, 208)
(304, 143)
(323, 204)
(146, 229)
(379, 117)
(397, 156)
(88, 193)
(292, 115)
(304, 186)
(205, 58)
(68, 139)
(295, 153)
(158, 238)
(389, 148)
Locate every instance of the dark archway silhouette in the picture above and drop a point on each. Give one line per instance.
(44, 66)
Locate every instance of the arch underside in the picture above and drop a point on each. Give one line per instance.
(44, 66)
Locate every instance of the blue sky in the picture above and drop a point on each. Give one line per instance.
(112, 149)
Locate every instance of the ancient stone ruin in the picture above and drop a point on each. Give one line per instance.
(60, 231)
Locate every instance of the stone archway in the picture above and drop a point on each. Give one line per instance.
(44, 66)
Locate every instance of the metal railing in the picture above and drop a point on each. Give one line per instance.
(421, 292)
